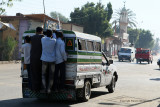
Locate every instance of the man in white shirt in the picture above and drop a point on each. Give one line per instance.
(48, 61)
(26, 48)
(61, 57)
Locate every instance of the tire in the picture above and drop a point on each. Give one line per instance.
(140, 62)
(23, 96)
(84, 93)
(137, 61)
(149, 62)
(111, 87)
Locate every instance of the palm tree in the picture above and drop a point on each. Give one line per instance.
(131, 17)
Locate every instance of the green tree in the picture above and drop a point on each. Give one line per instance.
(61, 17)
(110, 11)
(156, 47)
(133, 35)
(94, 18)
(8, 47)
(141, 38)
(145, 39)
(8, 3)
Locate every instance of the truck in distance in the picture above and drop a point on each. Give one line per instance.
(144, 55)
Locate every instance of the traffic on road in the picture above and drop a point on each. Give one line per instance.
(138, 85)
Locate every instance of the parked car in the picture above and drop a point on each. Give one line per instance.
(143, 55)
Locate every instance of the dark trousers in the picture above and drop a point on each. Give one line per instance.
(59, 76)
(48, 69)
(36, 72)
(29, 76)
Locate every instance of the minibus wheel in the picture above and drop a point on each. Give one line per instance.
(84, 93)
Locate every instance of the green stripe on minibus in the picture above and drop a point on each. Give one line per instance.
(71, 60)
(83, 60)
(84, 53)
(92, 54)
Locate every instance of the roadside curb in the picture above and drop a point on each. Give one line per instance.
(10, 62)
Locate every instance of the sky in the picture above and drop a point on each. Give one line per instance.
(147, 11)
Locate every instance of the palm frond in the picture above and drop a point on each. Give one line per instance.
(131, 17)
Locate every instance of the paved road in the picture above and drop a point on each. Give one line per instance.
(138, 86)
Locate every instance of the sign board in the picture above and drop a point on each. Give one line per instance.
(70, 44)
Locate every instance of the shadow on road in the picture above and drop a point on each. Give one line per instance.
(157, 69)
(32, 102)
(155, 79)
(128, 102)
(143, 63)
(122, 61)
(22, 102)
(98, 93)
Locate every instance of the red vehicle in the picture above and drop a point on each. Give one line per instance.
(143, 55)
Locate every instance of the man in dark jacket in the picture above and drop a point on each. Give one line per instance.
(35, 62)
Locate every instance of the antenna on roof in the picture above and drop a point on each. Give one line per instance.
(44, 26)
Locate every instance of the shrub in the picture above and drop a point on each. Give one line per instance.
(8, 45)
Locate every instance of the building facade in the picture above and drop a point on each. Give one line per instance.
(23, 23)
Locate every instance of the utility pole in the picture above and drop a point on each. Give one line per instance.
(44, 25)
